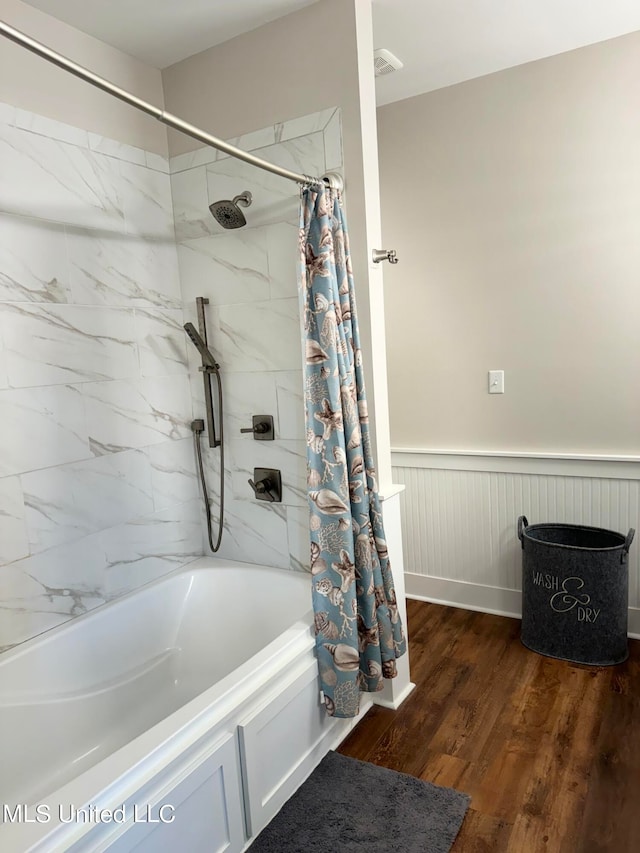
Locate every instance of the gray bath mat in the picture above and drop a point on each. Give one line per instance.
(352, 806)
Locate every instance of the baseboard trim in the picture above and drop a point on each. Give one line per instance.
(483, 599)
(469, 596)
(395, 704)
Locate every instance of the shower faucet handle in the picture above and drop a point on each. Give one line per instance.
(262, 487)
(262, 428)
(267, 484)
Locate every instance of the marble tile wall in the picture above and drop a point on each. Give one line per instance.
(103, 249)
(97, 481)
(249, 277)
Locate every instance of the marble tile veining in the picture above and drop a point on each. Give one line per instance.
(53, 587)
(192, 159)
(51, 128)
(303, 154)
(148, 547)
(254, 533)
(191, 204)
(162, 346)
(207, 154)
(157, 162)
(56, 344)
(282, 250)
(49, 588)
(28, 606)
(290, 397)
(125, 415)
(33, 261)
(304, 125)
(57, 181)
(122, 270)
(20, 623)
(62, 132)
(68, 502)
(299, 538)
(257, 139)
(119, 150)
(41, 427)
(229, 268)
(173, 473)
(4, 381)
(248, 394)
(251, 141)
(147, 203)
(13, 533)
(245, 344)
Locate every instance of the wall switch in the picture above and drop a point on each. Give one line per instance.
(496, 381)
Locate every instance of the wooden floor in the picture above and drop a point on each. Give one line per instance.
(549, 751)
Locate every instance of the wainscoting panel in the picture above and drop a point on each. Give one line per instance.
(459, 526)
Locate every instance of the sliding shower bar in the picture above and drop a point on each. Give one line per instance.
(331, 178)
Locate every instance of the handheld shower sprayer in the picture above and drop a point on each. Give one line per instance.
(208, 361)
(209, 367)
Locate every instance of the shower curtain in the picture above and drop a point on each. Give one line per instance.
(358, 629)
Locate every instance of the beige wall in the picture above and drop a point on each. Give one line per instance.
(514, 203)
(291, 67)
(313, 59)
(31, 83)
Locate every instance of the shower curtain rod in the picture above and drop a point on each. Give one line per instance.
(332, 179)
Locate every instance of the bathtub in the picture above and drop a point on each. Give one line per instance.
(181, 715)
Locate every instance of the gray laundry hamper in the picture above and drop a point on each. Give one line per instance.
(575, 591)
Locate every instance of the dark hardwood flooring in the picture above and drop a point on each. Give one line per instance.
(548, 750)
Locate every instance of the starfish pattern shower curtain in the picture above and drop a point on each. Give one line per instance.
(358, 629)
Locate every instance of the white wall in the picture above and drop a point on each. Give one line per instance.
(514, 203)
(32, 84)
(460, 514)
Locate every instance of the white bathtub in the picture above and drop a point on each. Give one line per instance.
(189, 710)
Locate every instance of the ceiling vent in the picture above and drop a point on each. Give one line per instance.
(385, 62)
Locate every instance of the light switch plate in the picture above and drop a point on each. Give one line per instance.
(496, 381)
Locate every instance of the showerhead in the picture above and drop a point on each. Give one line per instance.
(228, 214)
(207, 358)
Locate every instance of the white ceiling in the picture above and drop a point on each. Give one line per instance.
(441, 42)
(161, 32)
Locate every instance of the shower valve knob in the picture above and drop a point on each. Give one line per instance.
(267, 484)
(262, 428)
